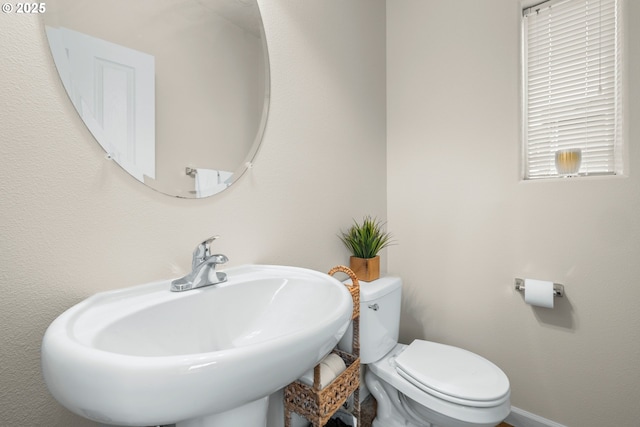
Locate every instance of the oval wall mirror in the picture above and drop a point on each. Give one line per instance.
(175, 91)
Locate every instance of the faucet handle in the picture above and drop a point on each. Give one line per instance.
(202, 251)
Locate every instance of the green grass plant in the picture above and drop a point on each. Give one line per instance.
(365, 240)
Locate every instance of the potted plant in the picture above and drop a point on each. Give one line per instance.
(364, 241)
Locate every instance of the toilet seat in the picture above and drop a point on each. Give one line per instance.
(453, 374)
(391, 389)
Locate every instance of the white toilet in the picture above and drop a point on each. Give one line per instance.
(424, 384)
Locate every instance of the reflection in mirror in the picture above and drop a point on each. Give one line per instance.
(175, 91)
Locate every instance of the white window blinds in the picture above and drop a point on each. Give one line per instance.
(572, 85)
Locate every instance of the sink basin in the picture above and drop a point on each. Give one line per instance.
(144, 356)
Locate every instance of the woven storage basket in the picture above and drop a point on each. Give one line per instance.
(318, 405)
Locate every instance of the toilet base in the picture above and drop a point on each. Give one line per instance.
(390, 410)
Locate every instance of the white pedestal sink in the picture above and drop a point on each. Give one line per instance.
(208, 357)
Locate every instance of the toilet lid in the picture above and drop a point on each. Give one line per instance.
(453, 374)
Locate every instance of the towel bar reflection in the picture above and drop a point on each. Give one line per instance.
(558, 289)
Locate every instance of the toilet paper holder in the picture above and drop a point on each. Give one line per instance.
(558, 289)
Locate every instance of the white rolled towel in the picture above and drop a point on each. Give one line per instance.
(326, 376)
(334, 362)
(330, 367)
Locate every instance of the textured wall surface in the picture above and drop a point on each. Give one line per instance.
(468, 226)
(73, 223)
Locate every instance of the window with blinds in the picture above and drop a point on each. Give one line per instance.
(572, 86)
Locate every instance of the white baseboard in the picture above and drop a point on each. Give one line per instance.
(521, 418)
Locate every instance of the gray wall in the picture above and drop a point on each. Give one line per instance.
(468, 226)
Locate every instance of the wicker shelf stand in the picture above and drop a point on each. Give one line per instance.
(318, 405)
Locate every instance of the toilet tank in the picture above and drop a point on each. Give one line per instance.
(379, 319)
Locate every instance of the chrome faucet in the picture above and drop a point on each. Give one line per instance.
(203, 269)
